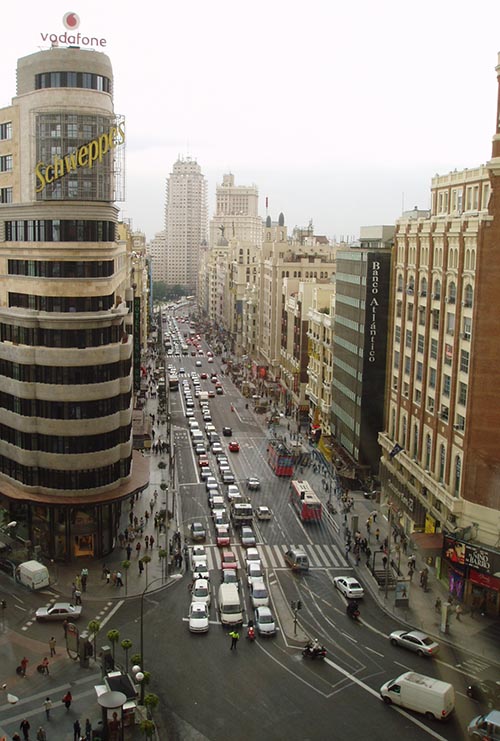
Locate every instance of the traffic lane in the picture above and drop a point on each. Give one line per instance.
(254, 692)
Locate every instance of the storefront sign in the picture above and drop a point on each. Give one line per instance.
(484, 580)
(85, 156)
(478, 558)
(71, 21)
(373, 307)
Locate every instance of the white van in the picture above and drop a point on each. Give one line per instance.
(33, 574)
(434, 698)
(230, 610)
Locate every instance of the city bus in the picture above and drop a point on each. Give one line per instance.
(305, 501)
(280, 458)
(173, 382)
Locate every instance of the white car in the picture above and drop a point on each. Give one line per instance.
(201, 591)
(252, 554)
(349, 587)
(200, 571)
(198, 617)
(233, 492)
(263, 513)
(264, 622)
(198, 554)
(254, 572)
(259, 596)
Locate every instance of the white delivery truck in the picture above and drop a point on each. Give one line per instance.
(230, 610)
(33, 574)
(434, 698)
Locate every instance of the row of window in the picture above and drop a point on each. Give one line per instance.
(44, 337)
(5, 130)
(59, 230)
(42, 408)
(60, 269)
(90, 478)
(464, 361)
(61, 303)
(70, 445)
(69, 375)
(86, 80)
(436, 290)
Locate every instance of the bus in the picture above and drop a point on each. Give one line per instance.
(305, 501)
(280, 458)
(173, 382)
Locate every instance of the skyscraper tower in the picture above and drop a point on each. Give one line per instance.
(66, 458)
(186, 221)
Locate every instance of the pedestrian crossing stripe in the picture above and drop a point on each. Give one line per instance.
(273, 556)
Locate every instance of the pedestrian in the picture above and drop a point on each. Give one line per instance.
(235, 637)
(52, 646)
(138, 548)
(65, 626)
(125, 536)
(129, 551)
(78, 582)
(77, 729)
(368, 526)
(155, 495)
(151, 541)
(73, 591)
(25, 728)
(84, 576)
(119, 582)
(377, 534)
(78, 597)
(24, 665)
(41, 735)
(368, 554)
(411, 561)
(373, 515)
(411, 571)
(458, 611)
(384, 561)
(151, 505)
(108, 576)
(141, 567)
(146, 515)
(67, 700)
(47, 705)
(146, 542)
(88, 730)
(131, 516)
(45, 666)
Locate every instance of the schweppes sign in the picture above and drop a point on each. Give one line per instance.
(87, 155)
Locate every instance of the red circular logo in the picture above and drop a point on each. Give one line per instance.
(71, 20)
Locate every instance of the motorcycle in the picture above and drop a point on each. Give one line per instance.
(251, 631)
(313, 651)
(353, 610)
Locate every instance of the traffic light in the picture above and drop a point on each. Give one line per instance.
(299, 605)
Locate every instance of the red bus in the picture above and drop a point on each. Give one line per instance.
(280, 458)
(305, 501)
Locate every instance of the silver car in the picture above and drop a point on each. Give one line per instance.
(264, 622)
(416, 641)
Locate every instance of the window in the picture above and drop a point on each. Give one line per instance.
(435, 319)
(467, 328)
(468, 295)
(434, 349)
(397, 333)
(458, 472)
(437, 290)
(5, 195)
(420, 343)
(428, 450)
(464, 361)
(446, 385)
(430, 403)
(418, 396)
(407, 365)
(5, 130)
(398, 309)
(462, 393)
(6, 163)
(460, 425)
(442, 460)
(452, 293)
(432, 378)
(450, 322)
(408, 338)
(409, 312)
(444, 413)
(400, 284)
(423, 287)
(396, 360)
(420, 370)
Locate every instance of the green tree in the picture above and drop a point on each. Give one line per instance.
(126, 645)
(113, 637)
(148, 728)
(150, 703)
(136, 659)
(94, 627)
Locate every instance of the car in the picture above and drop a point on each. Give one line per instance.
(198, 617)
(222, 535)
(230, 576)
(216, 448)
(264, 621)
(297, 560)
(201, 591)
(198, 362)
(210, 360)
(227, 431)
(263, 513)
(247, 537)
(416, 641)
(209, 427)
(214, 379)
(211, 393)
(207, 417)
(198, 553)
(233, 492)
(198, 531)
(221, 457)
(228, 560)
(252, 554)
(259, 596)
(200, 571)
(234, 447)
(206, 473)
(486, 692)
(349, 587)
(203, 461)
(254, 572)
(204, 376)
(200, 449)
(189, 413)
(211, 483)
(189, 404)
(253, 483)
(219, 390)
(220, 517)
(227, 477)
(59, 611)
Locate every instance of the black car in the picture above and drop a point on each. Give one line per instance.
(227, 431)
(486, 692)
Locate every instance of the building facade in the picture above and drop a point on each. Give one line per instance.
(186, 220)
(66, 344)
(236, 213)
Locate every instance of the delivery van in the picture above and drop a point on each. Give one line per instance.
(230, 610)
(432, 697)
(33, 574)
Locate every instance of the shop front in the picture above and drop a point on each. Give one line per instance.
(408, 512)
(472, 574)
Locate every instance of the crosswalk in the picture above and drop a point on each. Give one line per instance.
(321, 556)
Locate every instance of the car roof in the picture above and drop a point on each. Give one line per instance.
(200, 583)
(60, 605)
(263, 610)
(197, 606)
(258, 584)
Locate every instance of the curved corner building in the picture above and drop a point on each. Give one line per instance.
(66, 397)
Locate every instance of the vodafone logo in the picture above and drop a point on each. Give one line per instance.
(71, 20)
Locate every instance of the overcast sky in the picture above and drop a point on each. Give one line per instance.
(339, 112)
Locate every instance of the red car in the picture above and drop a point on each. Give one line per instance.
(222, 536)
(203, 461)
(234, 447)
(203, 375)
(228, 560)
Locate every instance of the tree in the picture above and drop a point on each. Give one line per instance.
(145, 560)
(126, 645)
(150, 703)
(148, 728)
(113, 637)
(125, 567)
(94, 627)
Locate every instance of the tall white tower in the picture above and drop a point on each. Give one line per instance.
(186, 222)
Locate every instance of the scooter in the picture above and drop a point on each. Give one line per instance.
(313, 651)
(250, 631)
(353, 610)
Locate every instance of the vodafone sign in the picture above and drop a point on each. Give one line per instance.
(71, 22)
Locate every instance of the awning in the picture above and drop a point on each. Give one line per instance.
(430, 543)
